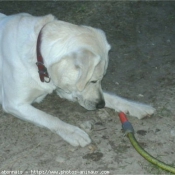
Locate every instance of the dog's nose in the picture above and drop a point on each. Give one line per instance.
(100, 105)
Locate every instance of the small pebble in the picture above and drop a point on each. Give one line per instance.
(86, 126)
(140, 95)
(60, 159)
(172, 132)
(103, 114)
(92, 148)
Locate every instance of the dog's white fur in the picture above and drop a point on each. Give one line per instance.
(76, 58)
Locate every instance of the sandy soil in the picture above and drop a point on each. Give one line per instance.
(141, 68)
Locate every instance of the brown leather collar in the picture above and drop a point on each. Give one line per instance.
(42, 70)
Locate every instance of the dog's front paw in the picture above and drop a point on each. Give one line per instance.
(141, 110)
(74, 135)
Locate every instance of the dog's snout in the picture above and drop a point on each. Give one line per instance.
(100, 105)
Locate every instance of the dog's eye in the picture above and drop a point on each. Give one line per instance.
(94, 81)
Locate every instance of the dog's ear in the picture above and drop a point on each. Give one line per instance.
(86, 61)
(74, 69)
(64, 73)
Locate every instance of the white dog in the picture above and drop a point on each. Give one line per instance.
(70, 59)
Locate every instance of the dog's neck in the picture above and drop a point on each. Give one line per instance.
(42, 70)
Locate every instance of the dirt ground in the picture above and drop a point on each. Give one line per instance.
(141, 68)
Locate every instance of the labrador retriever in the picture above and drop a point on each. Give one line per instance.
(41, 54)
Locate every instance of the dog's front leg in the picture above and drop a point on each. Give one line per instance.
(119, 104)
(70, 133)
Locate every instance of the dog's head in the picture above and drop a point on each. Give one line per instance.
(80, 62)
